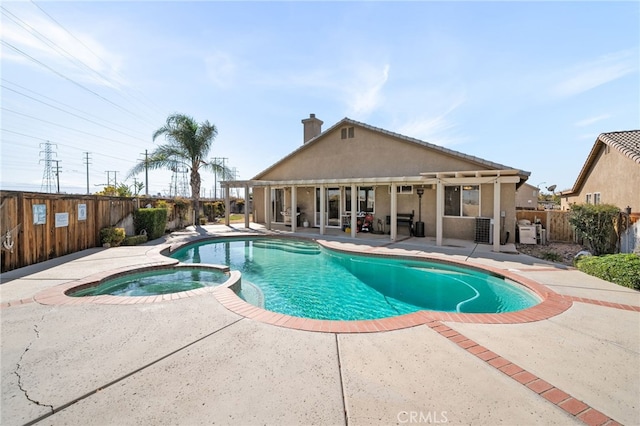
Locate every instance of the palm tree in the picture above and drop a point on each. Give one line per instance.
(188, 144)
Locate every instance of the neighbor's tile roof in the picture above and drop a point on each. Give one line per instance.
(626, 142)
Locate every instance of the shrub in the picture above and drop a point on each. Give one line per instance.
(213, 210)
(596, 225)
(151, 221)
(112, 236)
(162, 204)
(134, 240)
(622, 269)
(551, 256)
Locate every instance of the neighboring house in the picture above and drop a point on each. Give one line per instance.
(354, 169)
(611, 173)
(527, 197)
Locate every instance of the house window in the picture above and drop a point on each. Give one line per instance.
(403, 189)
(366, 199)
(463, 200)
(347, 132)
(596, 198)
(587, 199)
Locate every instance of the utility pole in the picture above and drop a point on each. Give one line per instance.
(58, 174)
(86, 161)
(146, 172)
(235, 173)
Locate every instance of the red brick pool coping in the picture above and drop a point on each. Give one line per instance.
(551, 305)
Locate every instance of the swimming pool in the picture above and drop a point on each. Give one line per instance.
(301, 278)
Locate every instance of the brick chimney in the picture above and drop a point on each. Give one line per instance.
(312, 127)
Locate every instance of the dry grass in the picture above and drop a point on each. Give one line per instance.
(555, 252)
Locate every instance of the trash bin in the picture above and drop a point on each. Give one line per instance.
(419, 229)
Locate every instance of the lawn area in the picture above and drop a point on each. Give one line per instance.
(239, 218)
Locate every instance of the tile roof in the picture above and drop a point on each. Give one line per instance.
(627, 142)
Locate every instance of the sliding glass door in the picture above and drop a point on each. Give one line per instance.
(332, 207)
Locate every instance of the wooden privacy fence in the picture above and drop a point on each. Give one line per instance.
(37, 226)
(556, 222)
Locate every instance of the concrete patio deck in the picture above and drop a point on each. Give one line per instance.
(193, 361)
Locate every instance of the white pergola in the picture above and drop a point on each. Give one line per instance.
(438, 179)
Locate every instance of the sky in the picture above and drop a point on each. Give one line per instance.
(526, 84)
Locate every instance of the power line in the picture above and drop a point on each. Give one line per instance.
(59, 74)
(58, 102)
(66, 127)
(62, 144)
(106, 63)
(46, 40)
(69, 112)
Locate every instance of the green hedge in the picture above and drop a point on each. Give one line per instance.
(153, 221)
(622, 269)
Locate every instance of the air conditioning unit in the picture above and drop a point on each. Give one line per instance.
(484, 230)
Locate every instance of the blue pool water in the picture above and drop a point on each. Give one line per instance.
(303, 279)
(159, 281)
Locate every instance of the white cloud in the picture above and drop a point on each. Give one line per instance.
(589, 75)
(439, 129)
(220, 68)
(591, 120)
(364, 92)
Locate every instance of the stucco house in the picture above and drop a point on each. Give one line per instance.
(355, 170)
(611, 173)
(527, 197)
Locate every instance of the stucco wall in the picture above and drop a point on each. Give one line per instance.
(368, 154)
(615, 176)
(527, 197)
(372, 154)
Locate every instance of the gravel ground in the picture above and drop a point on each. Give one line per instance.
(555, 252)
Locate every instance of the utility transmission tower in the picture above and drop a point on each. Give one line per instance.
(115, 178)
(235, 174)
(184, 182)
(48, 175)
(218, 161)
(179, 186)
(86, 161)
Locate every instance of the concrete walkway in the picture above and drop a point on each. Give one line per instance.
(191, 361)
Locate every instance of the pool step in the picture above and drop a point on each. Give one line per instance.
(288, 246)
